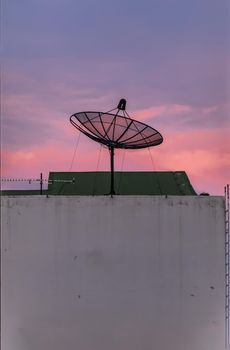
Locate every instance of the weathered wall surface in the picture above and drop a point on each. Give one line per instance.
(123, 273)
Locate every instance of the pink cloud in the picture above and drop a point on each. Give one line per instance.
(164, 110)
(177, 108)
(204, 155)
(152, 112)
(148, 113)
(186, 115)
(210, 109)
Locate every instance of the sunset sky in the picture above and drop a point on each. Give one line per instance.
(168, 58)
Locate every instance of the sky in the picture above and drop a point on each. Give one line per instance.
(168, 58)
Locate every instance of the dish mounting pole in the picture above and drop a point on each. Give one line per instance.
(120, 107)
(111, 150)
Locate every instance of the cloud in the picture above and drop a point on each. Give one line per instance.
(35, 117)
(179, 116)
(152, 112)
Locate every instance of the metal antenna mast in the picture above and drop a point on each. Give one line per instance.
(226, 192)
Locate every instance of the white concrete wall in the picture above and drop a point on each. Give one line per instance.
(127, 273)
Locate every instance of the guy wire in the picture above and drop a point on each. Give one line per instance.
(154, 168)
(75, 150)
(121, 171)
(95, 178)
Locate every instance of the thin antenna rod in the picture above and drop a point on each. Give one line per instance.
(41, 183)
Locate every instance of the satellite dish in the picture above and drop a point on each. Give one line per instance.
(116, 131)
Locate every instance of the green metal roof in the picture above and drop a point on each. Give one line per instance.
(126, 183)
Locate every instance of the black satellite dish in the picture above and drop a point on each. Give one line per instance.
(116, 131)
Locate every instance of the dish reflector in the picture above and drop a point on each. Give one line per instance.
(116, 131)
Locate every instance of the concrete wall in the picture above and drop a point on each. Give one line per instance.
(123, 273)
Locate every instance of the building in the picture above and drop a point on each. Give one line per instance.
(144, 269)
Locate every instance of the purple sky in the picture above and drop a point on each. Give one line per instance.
(168, 58)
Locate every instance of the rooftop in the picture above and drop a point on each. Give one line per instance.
(126, 183)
